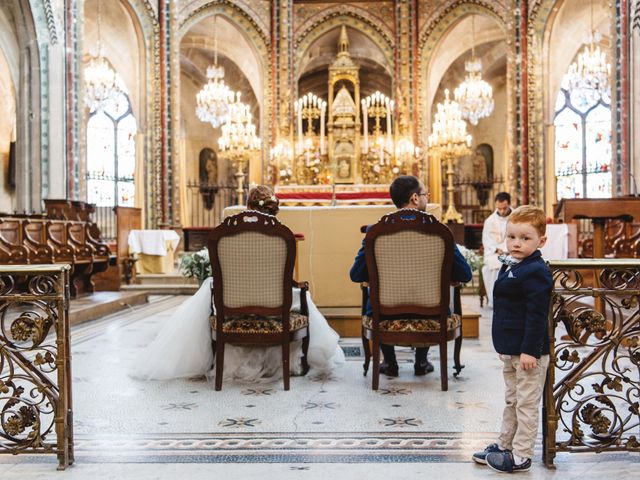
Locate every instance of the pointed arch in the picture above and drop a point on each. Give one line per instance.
(335, 17)
(251, 28)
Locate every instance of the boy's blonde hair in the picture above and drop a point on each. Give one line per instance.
(532, 215)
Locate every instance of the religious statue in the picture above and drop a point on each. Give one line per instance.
(208, 162)
(479, 166)
(344, 169)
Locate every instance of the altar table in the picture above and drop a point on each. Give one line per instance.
(332, 239)
(154, 250)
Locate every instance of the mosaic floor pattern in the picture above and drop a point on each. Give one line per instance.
(327, 417)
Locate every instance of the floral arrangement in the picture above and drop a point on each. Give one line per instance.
(196, 265)
(472, 257)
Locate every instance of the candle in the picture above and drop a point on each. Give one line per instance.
(322, 112)
(388, 121)
(299, 109)
(365, 122)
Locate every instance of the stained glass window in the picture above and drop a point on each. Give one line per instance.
(583, 146)
(111, 154)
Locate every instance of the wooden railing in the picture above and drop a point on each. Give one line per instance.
(592, 394)
(35, 367)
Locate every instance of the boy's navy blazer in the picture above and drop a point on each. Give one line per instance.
(521, 302)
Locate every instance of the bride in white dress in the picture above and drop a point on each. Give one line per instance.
(183, 348)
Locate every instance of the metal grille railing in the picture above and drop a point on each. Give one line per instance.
(105, 218)
(35, 366)
(473, 197)
(591, 399)
(206, 201)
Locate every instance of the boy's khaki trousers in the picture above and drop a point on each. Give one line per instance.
(523, 390)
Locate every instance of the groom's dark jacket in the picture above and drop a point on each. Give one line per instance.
(461, 271)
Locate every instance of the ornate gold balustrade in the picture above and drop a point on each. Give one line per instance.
(35, 362)
(593, 385)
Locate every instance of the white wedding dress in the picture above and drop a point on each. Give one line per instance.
(183, 348)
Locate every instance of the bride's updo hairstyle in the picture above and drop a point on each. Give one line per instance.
(262, 199)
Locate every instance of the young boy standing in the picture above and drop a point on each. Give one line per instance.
(521, 296)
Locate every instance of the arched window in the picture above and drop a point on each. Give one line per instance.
(583, 145)
(111, 154)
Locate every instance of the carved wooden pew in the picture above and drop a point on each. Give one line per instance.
(12, 251)
(34, 239)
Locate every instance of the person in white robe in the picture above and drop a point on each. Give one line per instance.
(494, 242)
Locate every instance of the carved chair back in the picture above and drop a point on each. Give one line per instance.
(409, 257)
(252, 256)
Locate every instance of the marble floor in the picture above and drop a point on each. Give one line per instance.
(327, 424)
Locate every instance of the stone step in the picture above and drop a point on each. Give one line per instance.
(164, 278)
(163, 289)
(100, 304)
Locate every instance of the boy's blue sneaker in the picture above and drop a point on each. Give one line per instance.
(481, 457)
(505, 463)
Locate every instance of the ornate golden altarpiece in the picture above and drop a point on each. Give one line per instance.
(351, 165)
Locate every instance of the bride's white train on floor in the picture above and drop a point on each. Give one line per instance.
(183, 348)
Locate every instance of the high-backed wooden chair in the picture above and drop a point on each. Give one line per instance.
(252, 257)
(409, 257)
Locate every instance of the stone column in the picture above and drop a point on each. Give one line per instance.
(164, 207)
(57, 177)
(620, 101)
(522, 99)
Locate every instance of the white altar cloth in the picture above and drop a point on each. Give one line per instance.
(152, 242)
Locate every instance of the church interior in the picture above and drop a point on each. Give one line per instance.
(131, 131)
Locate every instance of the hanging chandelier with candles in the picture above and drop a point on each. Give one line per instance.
(474, 95)
(449, 140)
(212, 102)
(238, 137)
(238, 141)
(100, 80)
(589, 75)
(449, 131)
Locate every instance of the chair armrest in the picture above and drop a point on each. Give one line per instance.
(304, 288)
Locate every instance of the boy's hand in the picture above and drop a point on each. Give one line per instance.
(527, 362)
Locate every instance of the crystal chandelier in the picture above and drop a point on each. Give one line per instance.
(238, 141)
(212, 102)
(591, 71)
(100, 80)
(449, 131)
(474, 95)
(449, 139)
(238, 138)
(589, 75)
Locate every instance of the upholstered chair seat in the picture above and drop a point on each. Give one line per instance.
(256, 324)
(411, 325)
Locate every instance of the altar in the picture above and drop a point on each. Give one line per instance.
(332, 239)
(154, 250)
(327, 195)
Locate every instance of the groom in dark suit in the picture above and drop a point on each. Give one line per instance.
(407, 192)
